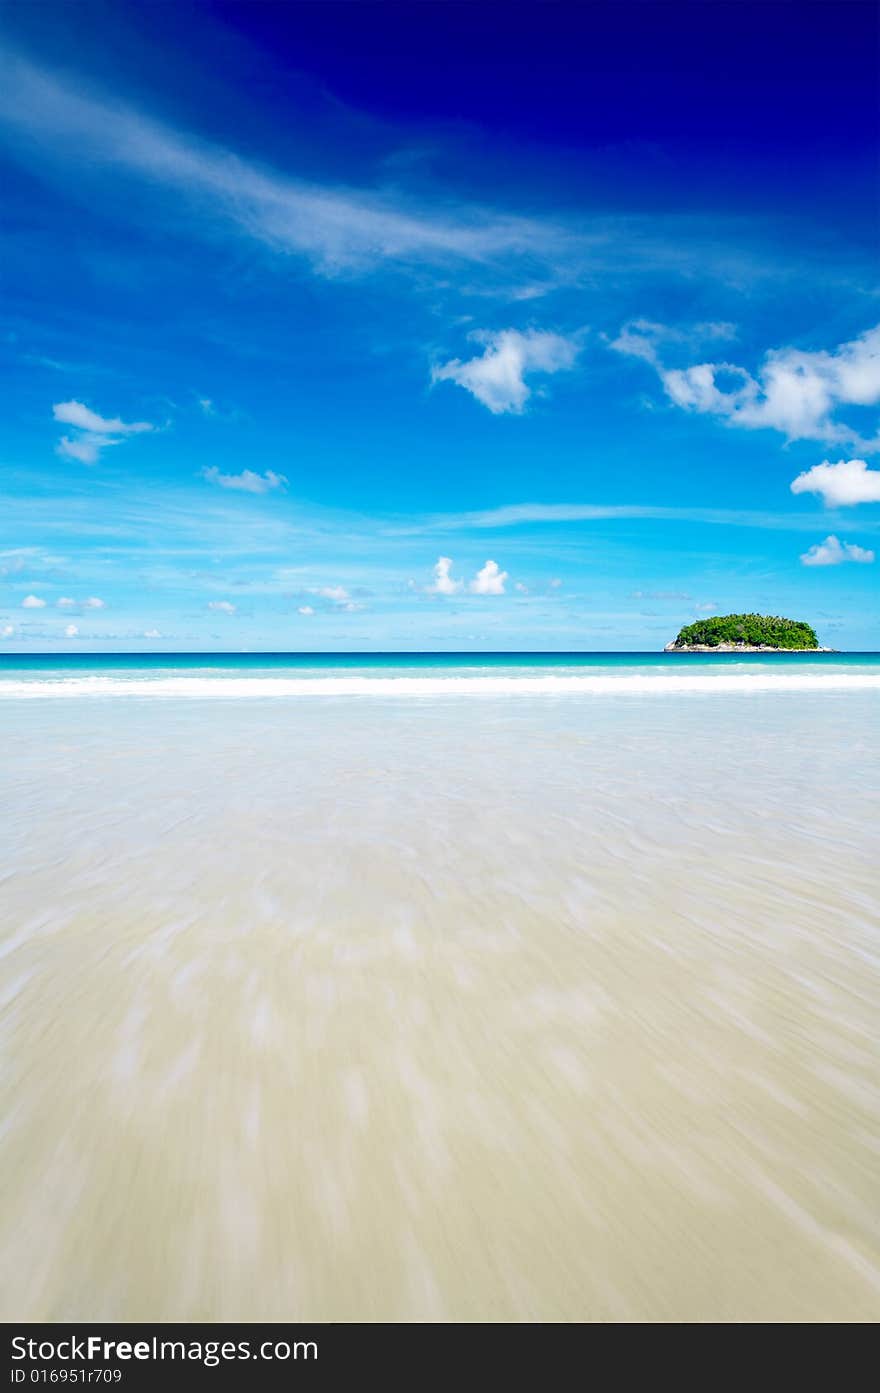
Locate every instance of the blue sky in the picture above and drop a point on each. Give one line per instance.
(436, 326)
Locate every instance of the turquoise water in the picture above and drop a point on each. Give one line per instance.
(21, 665)
(187, 675)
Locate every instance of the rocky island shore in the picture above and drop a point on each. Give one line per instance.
(676, 647)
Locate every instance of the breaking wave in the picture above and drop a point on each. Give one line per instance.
(643, 684)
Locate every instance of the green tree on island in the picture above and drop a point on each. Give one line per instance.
(752, 630)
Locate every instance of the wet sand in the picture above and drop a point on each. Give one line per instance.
(482, 1009)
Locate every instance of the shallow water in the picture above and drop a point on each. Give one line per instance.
(506, 1008)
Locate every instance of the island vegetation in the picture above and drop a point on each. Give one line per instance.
(759, 631)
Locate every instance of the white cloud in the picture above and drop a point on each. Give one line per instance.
(71, 631)
(523, 589)
(443, 584)
(832, 552)
(247, 481)
(221, 606)
(305, 609)
(337, 593)
(66, 602)
(795, 391)
(152, 633)
(489, 580)
(847, 482)
(497, 376)
(33, 602)
(7, 631)
(94, 433)
(706, 608)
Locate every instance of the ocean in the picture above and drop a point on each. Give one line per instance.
(440, 987)
(427, 674)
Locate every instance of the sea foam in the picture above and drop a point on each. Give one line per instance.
(702, 684)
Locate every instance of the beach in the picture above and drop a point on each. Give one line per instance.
(451, 1002)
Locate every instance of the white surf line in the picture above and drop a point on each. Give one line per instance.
(241, 687)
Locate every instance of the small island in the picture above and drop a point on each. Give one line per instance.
(746, 633)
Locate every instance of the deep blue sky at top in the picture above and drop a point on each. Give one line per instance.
(377, 275)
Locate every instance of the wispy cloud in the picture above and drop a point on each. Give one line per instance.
(75, 134)
(527, 514)
(660, 595)
(643, 338)
(337, 228)
(247, 481)
(18, 559)
(842, 484)
(94, 433)
(496, 377)
(796, 392)
(317, 599)
(74, 413)
(833, 552)
(221, 606)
